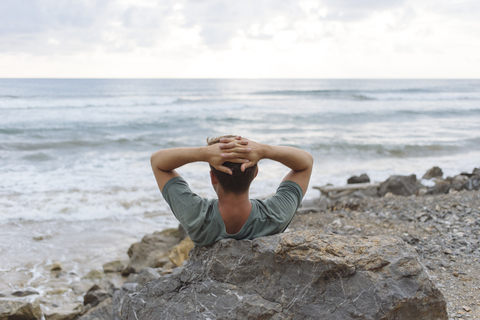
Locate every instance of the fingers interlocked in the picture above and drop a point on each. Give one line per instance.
(234, 149)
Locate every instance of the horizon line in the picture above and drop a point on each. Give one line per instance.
(220, 78)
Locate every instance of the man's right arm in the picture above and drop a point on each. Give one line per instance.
(299, 161)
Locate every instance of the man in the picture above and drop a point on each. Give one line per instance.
(233, 163)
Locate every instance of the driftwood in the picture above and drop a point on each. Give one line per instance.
(346, 189)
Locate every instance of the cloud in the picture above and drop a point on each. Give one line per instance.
(219, 38)
(27, 26)
(121, 25)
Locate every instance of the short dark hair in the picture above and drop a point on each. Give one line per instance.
(238, 182)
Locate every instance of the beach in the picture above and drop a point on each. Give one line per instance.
(442, 229)
(77, 186)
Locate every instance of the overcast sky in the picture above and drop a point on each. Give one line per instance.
(240, 39)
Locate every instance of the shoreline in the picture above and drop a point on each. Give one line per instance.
(82, 246)
(443, 247)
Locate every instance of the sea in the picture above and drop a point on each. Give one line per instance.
(76, 184)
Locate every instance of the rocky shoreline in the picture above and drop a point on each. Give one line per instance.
(439, 217)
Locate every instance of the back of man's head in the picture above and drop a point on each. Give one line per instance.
(238, 182)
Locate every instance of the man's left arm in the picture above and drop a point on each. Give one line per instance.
(164, 162)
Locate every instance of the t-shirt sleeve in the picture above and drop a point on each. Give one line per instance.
(189, 208)
(283, 205)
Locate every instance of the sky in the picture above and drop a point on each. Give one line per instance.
(240, 39)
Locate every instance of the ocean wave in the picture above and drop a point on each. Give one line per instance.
(11, 131)
(396, 150)
(400, 94)
(39, 156)
(323, 93)
(86, 103)
(199, 100)
(9, 97)
(62, 145)
(69, 145)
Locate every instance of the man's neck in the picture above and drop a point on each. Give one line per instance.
(234, 209)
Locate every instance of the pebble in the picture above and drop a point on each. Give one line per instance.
(56, 266)
(56, 291)
(94, 274)
(466, 308)
(114, 266)
(24, 293)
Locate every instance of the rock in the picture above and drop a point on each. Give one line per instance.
(42, 237)
(147, 275)
(18, 309)
(94, 274)
(179, 253)
(371, 192)
(169, 265)
(318, 204)
(301, 275)
(114, 266)
(101, 312)
(24, 293)
(59, 274)
(448, 185)
(111, 282)
(434, 172)
(162, 262)
(172, 232)
(56, 291)
(439, 188)
(132, 277)
(118, 298)
(130, 287)
(56, 266)
(152, 247)
(65, 312)
(81, 287)
(399, 185)
(473, 183)
(422, 191)
(95, 295)
(363, 178)
(458, 181)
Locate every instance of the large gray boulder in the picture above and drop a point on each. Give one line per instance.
(399, 185)
(298, 275)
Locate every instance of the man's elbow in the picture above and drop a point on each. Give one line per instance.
(309, 161)
(154, 159)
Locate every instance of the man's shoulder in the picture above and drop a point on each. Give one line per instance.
(174, 184)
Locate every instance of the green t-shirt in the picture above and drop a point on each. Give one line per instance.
(204, 225)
